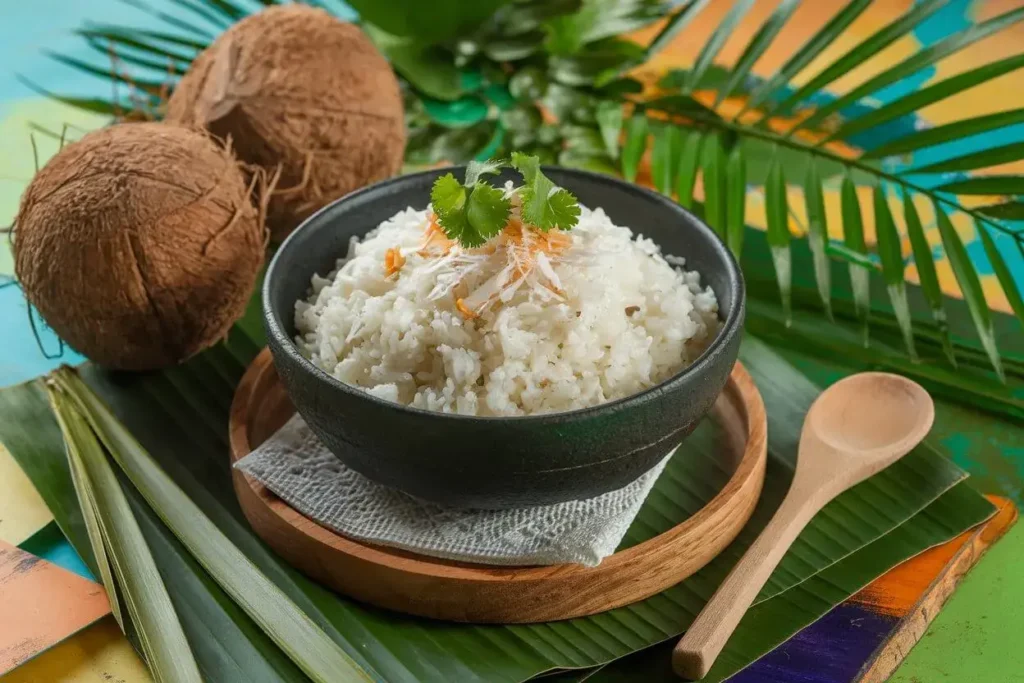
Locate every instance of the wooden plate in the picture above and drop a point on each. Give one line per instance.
(443, 589)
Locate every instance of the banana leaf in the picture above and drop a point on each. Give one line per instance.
(180, 416)
(770, 623)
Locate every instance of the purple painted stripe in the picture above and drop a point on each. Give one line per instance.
(832, 650)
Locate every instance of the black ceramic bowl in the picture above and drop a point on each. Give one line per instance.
(499, 462)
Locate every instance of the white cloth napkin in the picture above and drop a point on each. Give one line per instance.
(298, 468)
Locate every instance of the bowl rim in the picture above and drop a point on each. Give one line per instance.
(731, 326)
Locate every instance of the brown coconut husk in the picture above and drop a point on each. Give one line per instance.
(298, 89)
(139, 244)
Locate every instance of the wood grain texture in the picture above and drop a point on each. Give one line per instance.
(459, 591)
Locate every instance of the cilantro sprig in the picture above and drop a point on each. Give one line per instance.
(545, 205)
(473, 211)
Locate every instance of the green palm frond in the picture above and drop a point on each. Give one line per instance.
(494, 79)
(758, 123)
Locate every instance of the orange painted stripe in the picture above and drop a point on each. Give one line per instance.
(41, 604)
(898, 591)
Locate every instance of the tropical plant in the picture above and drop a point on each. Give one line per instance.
(158, 440)
(555, 78)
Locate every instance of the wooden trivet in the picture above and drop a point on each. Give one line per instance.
(443, 589)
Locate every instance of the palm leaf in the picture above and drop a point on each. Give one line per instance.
(144, 40)
(806, 54)
(713, 166)
(1002, 184)
(689, 162)
(945, 133)
(864, 51)
(892, 266)
(817, 235)
(90, 515)
(970, 285)
(665, 152)
(144, 85)
(918, 99)
(679, 21)
(853, 236)
(93, 104)
(758, 44)
(715, 42)
(118, 543)
(1002, 271)
(975, 160)
(579, 52)
(210, 15)
(919, 60)
(227, 9)
(927, 276)
(634, 146)
(178, 416)
(116, 54)
(736, 191)
(609, 122)
(781, 95)
(777, 212)
(1010, 211)
(290, 628)
(171, 20)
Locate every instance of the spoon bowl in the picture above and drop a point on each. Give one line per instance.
(871, 412)
(855, 428)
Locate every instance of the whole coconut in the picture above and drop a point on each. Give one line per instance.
(294, 86)
(139, 244)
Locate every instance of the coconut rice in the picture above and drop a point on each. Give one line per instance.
(608, 318)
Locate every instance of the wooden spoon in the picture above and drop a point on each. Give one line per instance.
(856, 428)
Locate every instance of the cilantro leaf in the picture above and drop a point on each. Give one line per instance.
(487, 210)
(456, 226)
(563, 209)
(470, 215)
(476, 169)
(544, 204)
(473, 211)
(447, 195)
(528, 165)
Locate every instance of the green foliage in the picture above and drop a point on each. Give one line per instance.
(777, 213)
(165, 431)
(970, 285)
(853, 238)
(426, 22)
(127, 568)
(811, 151)
(86, 423)
(465, 66)
(736, 194)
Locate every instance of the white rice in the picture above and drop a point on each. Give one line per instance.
(625, 321)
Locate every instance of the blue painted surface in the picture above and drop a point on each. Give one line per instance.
(832, 650)
(21, 357)
(49, 544)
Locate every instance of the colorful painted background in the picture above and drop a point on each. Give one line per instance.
(972, 641)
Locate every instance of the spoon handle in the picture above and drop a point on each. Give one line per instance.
(704, 640)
